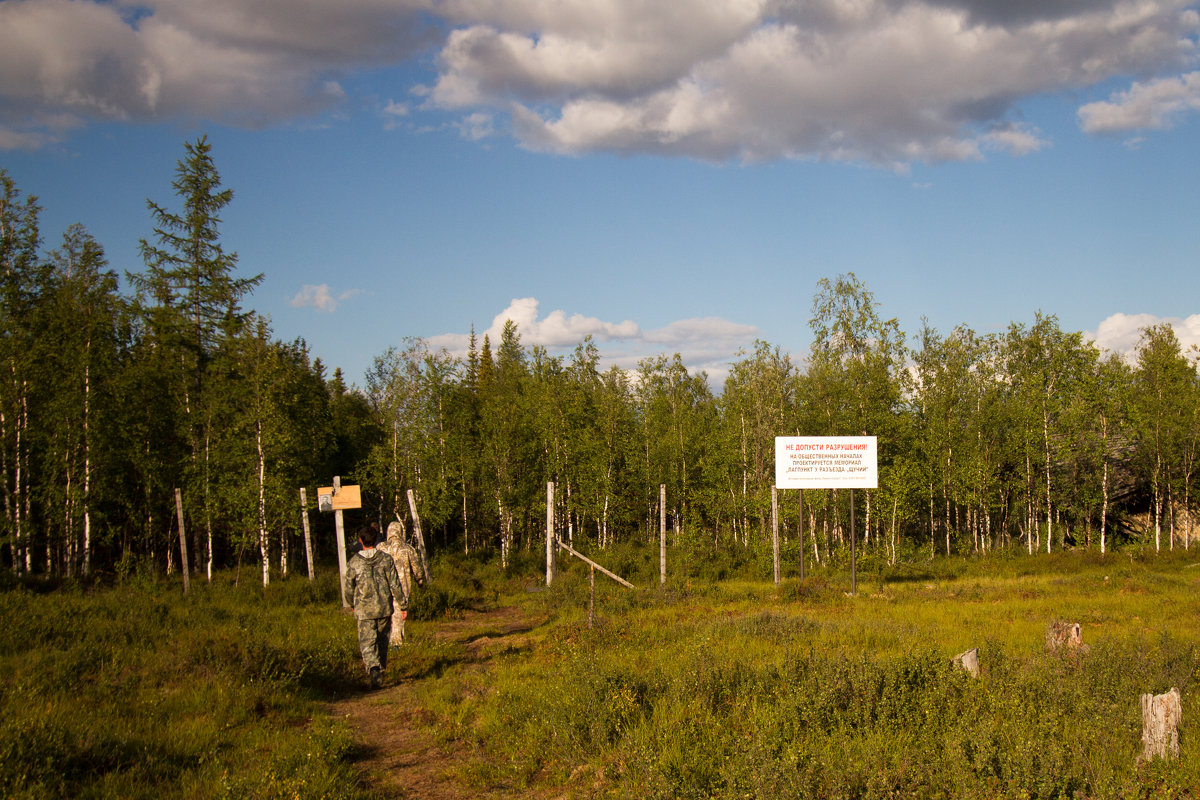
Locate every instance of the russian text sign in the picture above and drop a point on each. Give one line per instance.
(826, 462)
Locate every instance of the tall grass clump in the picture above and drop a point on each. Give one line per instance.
(135, 690)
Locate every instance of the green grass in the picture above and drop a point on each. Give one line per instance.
(137, 691)
(698, 689)
(740, 689)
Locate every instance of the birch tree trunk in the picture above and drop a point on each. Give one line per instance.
(263, 545)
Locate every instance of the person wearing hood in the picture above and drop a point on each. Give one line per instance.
(408, 564)
(376, 589)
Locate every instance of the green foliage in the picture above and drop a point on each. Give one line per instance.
(139, 691)
(725, 691)
(988, 443)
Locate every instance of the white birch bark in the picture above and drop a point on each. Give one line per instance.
(263, 545)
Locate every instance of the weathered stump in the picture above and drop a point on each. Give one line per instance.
(968, 661)
(1161, 714)
(1065, 637)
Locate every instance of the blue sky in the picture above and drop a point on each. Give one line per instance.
(669, 177)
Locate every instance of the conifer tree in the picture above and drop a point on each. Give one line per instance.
(191, 300)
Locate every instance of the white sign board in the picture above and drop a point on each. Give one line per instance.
(826, 462)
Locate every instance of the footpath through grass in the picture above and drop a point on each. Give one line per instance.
(699, 689)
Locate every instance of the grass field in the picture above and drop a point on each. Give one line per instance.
(702, 688)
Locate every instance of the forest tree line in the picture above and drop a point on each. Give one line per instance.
(1031, 438)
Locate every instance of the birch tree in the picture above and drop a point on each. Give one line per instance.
(22, 278)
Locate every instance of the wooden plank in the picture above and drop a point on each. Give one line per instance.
(587, 560)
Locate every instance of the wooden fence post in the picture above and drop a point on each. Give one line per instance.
(183, 553)
(800, 531)
(341, 545)
(550, 533)
(412, 506)
(662, 534)
(775, 529)
(307, 532)
(853, 555)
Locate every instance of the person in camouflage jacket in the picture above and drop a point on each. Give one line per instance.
(376, 589)
(408, 564)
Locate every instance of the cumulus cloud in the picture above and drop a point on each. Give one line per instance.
(1152, 105)
(1121, 333)
(248, 62)
(709, 343)
(321, 297)
(888, 82)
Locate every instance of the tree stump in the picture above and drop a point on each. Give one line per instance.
(1065, 637)
(1160, 725)
(968, 661)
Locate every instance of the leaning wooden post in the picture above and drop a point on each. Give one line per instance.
(775, 529)
(662, 534)
(307, 532)
(412, 506)
(183, 554)
(341, 545)
(550, 533)
(591, 597)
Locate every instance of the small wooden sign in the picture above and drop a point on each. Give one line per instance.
(347, 497)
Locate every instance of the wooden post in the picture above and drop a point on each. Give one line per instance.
(1161, 715)
(662, 534)
(341, 545)
(591, 597)
(183, 555)
(550, 535)
(800, 532)
(968, 661)
(412, 506)
(307, 532)
(853, 556)
(775, 529)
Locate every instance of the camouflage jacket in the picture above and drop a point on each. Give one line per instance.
(408, 563)
(372, 584)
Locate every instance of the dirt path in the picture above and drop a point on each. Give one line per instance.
(398, 752)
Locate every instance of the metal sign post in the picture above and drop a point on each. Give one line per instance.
(828, 462)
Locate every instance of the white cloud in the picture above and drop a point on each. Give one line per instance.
(709, 343)
(393, 113)
(476, 126)
(879, 81)
(888, 82)
(243, 62)
(321, 297)
(1121, 333)
(1154, 105)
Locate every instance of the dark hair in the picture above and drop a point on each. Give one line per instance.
(367, 535)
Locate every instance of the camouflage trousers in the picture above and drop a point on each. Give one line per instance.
(397, 637)
(373, 637)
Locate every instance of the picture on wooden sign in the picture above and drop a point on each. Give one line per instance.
(345, 498)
